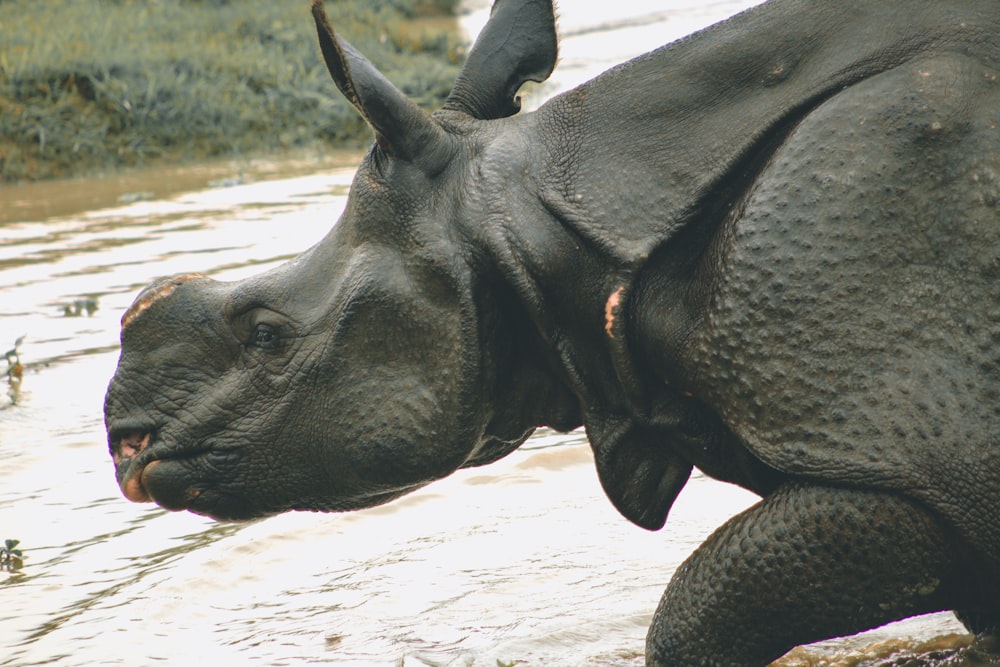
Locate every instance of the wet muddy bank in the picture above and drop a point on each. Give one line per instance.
(61, 197)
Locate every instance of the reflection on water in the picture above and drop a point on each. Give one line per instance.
(523, 560)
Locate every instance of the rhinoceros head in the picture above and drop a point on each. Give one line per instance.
(370, 365)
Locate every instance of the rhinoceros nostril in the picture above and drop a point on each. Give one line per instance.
(127, 444)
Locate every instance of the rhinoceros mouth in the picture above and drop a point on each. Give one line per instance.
(150, 471)
(129, 450)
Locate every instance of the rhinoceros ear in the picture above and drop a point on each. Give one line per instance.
(638, 472)
(518, 44)
(402, 129)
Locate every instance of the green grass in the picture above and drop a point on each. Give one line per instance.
(96, 84)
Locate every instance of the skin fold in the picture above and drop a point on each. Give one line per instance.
(768, 251)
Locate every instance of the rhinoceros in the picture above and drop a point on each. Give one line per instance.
(769, 251)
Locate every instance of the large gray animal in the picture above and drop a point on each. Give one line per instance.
(770, 251)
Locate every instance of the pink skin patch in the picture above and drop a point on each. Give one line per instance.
(130, 444)
(611, 310)
(148, 300)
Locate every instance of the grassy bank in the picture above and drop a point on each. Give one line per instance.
(96, 84)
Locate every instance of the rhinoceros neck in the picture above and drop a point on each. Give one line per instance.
(636, 174)
(642, 168)
(634, 153)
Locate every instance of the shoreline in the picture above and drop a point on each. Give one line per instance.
(60, 197)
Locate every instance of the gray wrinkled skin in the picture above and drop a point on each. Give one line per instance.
(770, 251)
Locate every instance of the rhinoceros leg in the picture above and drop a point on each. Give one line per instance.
(808, 563)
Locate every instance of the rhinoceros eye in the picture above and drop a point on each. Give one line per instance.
(265, 337)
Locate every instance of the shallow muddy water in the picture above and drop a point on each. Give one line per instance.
(522, 561)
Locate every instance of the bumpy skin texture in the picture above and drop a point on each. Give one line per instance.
(806, 563)
(890, 263)
(770, 251)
